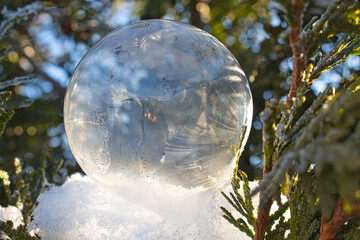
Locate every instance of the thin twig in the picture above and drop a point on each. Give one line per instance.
(298, 51)
(262, 220)
(268, 118)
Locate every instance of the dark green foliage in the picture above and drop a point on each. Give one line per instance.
(329, 133)
(5, 115)
(8, 20)
(350, 231)
(313, 147)
(22, 181)
(15, 234)
(278, 223)
(22, 187)
(242, 203)
(305, 215)
(338, 18)
(309, 154)
(347, 44)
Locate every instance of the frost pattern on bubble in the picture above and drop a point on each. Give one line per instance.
(159, 103)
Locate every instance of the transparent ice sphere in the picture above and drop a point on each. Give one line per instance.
(158, 111)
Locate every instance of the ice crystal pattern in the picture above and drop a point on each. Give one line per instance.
(158, 111)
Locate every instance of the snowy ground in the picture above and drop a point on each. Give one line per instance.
(80, 209)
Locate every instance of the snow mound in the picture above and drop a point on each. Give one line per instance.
(81, 209)
(11, 213)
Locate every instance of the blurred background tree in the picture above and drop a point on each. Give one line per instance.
(45, 40)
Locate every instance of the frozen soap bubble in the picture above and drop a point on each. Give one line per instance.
(158, 111)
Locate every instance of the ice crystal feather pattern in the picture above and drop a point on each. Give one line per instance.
(158, 111)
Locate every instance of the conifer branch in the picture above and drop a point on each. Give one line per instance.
(268, 117)
(242, 204)
(303, 139)
(5, 115)
(12, 233)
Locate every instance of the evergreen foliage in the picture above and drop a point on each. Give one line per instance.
(15, 234)
(243, 204)
(5, 116)
(311, 146)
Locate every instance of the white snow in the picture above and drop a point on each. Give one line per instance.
(82, 209)
(11, 213)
